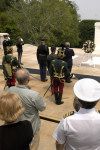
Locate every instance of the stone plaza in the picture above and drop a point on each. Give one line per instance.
(53, 111)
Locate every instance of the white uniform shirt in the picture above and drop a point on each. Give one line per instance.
(80, 131)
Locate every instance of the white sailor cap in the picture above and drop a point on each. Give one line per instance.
(87, 90)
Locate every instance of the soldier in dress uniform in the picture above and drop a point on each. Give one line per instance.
(6, 42)
(59, 73)
(10, 65)
(19, 45)
(52, 56)
(42, 53)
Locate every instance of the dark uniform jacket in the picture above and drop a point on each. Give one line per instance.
(50, 57)
(42, 53)
(68, 56)
(5, 44)
(19, 46)
(59, 69)
(9, 64)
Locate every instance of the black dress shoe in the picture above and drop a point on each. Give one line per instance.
(68, 81)
(44, 80)
(60, 103)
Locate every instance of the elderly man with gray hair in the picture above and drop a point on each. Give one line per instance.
(68, 56)
(32, 102)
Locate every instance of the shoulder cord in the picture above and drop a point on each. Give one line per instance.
(60, 75)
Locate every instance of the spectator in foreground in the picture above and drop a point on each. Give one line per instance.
(14, 134)
(32, 102)
(78, 131)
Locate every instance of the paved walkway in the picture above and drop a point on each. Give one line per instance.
(52, 110)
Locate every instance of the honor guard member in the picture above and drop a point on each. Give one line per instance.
(58, 72)
(42, 53)
(10, 65)
(19, 45)
(81, 131)
(52, 56)
(6, 42)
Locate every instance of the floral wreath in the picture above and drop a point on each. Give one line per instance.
(88, 46)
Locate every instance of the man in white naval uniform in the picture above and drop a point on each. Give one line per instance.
(81, 131)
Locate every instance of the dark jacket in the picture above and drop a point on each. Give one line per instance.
(59, 69)
(19, 46)
(9, 64)
(50, 57)
(5, 44)
(42, 53)
(68, 56)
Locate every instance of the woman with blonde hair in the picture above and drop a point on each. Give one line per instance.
(14, 134)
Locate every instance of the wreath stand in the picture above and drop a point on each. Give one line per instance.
(89, 59)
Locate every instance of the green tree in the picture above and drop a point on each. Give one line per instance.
(6, 4)
(8, 25)
(55, 20)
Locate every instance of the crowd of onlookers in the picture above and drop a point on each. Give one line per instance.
(20, 106)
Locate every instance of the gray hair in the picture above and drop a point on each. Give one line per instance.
(67, 44)
(22, 75)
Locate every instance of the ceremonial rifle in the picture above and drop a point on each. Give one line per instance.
(5, 85)
(47, 90)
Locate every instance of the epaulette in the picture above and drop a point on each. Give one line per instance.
(53, 60)
(68, 114)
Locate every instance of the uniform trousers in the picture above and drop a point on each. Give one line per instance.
(5, 52)
(36, 141)
(70, 68)
(11, 82)
(43, 72)
(58, 86)
(19, 56)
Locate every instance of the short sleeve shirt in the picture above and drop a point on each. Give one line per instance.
(80, 131)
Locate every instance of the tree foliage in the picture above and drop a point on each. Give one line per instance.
(54, 20)
(7, 23)
(6, 4)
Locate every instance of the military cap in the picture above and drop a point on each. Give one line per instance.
(5, 35)
(43, 39)
(60, 53)
(87, 90)
(9, 49)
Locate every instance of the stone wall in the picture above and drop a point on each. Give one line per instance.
(2, 38)
(97, 36)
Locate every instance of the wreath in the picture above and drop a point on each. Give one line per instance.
(88, 46)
